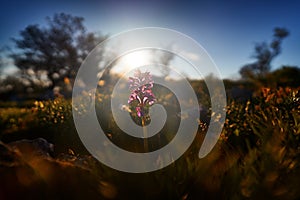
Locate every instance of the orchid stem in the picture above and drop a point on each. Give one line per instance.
(145, 135)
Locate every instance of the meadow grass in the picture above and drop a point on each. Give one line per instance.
(256, 157)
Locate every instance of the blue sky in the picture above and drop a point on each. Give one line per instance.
(228, 30)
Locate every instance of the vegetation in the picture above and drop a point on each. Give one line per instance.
(257, 155)
(59, 48)
(264, 54)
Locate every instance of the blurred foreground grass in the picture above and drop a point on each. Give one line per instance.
(257, 156)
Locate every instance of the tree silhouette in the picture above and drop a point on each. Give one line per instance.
(286, 76)
(58, 48)
(264, 54)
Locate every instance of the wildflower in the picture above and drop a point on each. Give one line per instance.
(141, 97)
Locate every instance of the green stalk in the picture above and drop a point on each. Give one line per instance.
(145, 134)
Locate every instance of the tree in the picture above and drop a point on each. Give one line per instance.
(264, 54)
(286, 76)
(57, 49)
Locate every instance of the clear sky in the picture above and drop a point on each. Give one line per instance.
(228, 30)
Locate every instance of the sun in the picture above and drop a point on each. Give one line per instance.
(132, 60)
